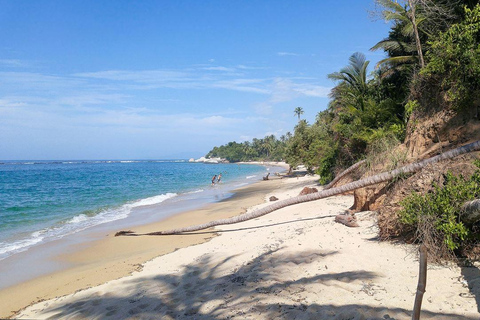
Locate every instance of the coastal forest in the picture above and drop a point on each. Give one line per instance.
(421, 100)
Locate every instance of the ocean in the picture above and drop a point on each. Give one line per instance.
(43, 201)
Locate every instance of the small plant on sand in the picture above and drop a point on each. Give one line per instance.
(434, 218)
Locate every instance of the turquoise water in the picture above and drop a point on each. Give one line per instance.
(43, 201)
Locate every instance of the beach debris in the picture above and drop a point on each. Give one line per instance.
(125, 233)
(273, 198)
(307, 190)
(382, 177)
(347, 219)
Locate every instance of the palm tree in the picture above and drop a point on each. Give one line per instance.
(298, 112)
(401, 53)
(353, 79)
(382, 177)
(408, 19)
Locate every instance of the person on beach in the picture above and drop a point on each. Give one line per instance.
(219, 178)
(213, 179)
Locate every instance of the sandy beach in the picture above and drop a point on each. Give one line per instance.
(295, 263)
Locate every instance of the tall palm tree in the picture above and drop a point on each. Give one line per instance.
(382, 177)
(353, 79)
(409, 19)
(298, 112)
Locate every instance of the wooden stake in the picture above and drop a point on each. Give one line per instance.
(422, 283)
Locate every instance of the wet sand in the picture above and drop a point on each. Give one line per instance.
(109, 258)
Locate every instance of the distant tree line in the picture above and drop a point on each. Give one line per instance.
(267, 149)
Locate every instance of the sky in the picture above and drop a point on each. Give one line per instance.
(170, 79)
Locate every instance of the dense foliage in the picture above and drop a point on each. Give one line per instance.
(432, 63)
(434, 217)
(431, 44)
(266, 149)
(454, 61)
(366, 108)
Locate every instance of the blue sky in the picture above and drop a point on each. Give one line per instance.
(168, 79)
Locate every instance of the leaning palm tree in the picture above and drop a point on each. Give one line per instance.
(382, 177)
(408, 17)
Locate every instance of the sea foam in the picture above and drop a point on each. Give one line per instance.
(76, 224)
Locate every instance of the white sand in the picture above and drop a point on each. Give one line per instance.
(295, 263)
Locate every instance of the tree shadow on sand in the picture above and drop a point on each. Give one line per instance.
(210, 289)
(471, 274)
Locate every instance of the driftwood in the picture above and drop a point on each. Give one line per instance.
(344, 173)
(470, 211)
(347, 219)
(385, 176)
(422, 283)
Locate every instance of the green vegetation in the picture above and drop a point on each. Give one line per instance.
(266, 149)
(432, 51)
(434, 217)
(454, 61)
(432, 64)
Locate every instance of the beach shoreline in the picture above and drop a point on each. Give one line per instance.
(294, 263)
(105, 257)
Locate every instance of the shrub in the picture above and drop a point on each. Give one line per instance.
(454, 60)
(434, 217)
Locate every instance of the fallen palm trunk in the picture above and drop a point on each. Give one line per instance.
(344, 173)
(385, 176)
(470, 211)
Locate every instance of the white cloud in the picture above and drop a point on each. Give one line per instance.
(283, 54)
(219, 69)
(144, 76)
(312, 90)
(263, 108)
(13, 63)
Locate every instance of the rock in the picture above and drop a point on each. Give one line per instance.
(273, 198)
(347, 219)
(308, 190)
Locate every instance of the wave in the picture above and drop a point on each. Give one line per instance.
(250, 177)
(195, 191)
(76, 224)
(7, 249)
(153, 200)
(241, 185)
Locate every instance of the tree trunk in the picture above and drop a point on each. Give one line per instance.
(385, 176)
(470, 211)
(422, 283)
(418, 44)
(344, 173)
